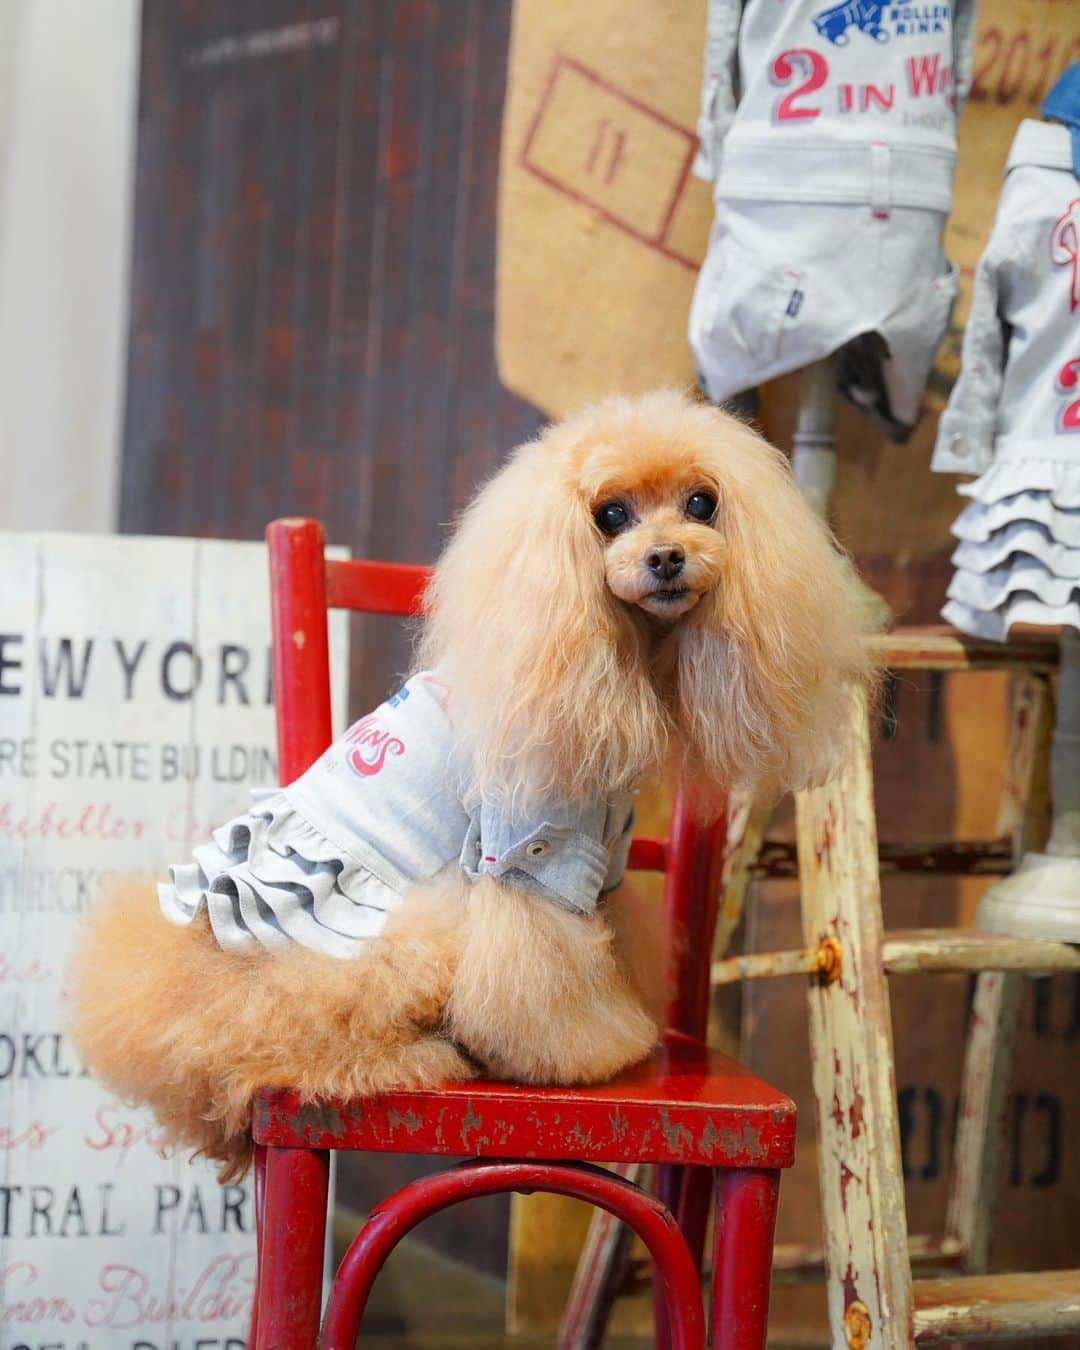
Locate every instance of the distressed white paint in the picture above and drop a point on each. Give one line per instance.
(154, 1277)
(748, 818)
(1018, 1307)
(852, 1051)
(908, 950)
(988, 1053)
(866, 1245)
(980, 1123)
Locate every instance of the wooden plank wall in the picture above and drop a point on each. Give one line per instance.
(312, 288)
(312, 300)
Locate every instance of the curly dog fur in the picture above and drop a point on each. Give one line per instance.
(573, 671)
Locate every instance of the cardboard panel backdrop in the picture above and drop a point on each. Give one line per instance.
(601, 230)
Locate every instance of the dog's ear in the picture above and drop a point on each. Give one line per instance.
(768, 660)
(548, 696)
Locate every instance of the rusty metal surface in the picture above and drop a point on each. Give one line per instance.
(764, 966)
(825, 961)
(857, 1325)
(1017, 1308)
(686, 1104)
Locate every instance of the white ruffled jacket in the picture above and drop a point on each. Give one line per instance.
(1014, 414)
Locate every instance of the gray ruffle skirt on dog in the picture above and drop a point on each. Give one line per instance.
(324, 861)
(270, 879)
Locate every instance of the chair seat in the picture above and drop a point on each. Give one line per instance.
(685, 1104)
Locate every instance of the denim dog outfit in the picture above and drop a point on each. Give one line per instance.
(324, 861)
(833, 180)
(1014, 414)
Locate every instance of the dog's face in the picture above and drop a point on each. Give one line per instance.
(658, 522)
(644, 577)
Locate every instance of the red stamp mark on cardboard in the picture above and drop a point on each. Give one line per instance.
(600, 146)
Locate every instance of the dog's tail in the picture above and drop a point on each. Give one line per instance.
(164, 1016)
(149, 1005)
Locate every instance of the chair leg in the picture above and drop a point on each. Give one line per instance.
(692, 1212)
(745, 1225)
(259, 1188)
(291, 1257)
(601, 1271)
(686, 1191)
(395, 1217)
(980, 1123)
(984, 1090)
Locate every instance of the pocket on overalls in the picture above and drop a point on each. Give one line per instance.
(764, 304)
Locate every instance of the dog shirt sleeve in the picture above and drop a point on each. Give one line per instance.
(967, 428)
(718, 83)
(565, 854)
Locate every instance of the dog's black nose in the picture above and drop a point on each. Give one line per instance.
(666, 561)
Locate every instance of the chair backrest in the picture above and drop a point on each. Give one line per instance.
(304, 584)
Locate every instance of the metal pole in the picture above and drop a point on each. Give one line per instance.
(813, 461)
(814, 450)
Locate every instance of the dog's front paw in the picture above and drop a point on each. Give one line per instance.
(538, 995)
(409, 968)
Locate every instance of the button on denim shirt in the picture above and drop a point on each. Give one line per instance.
(323, 861)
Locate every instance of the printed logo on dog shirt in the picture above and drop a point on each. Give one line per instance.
(1065, 247)
(372, 743)
(833, 23)
(869, 17)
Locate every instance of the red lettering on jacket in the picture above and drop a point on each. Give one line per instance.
(1065, 247)
(371, 745)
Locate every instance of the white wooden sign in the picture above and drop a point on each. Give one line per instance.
(135, 714)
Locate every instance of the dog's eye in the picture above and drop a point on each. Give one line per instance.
(612, 517)
(701, 506)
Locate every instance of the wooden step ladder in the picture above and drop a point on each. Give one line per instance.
(867, 1257)
(874, 1301)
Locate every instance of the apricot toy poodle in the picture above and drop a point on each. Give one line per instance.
(641, 588)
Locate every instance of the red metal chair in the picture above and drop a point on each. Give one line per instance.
(714, 1129)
